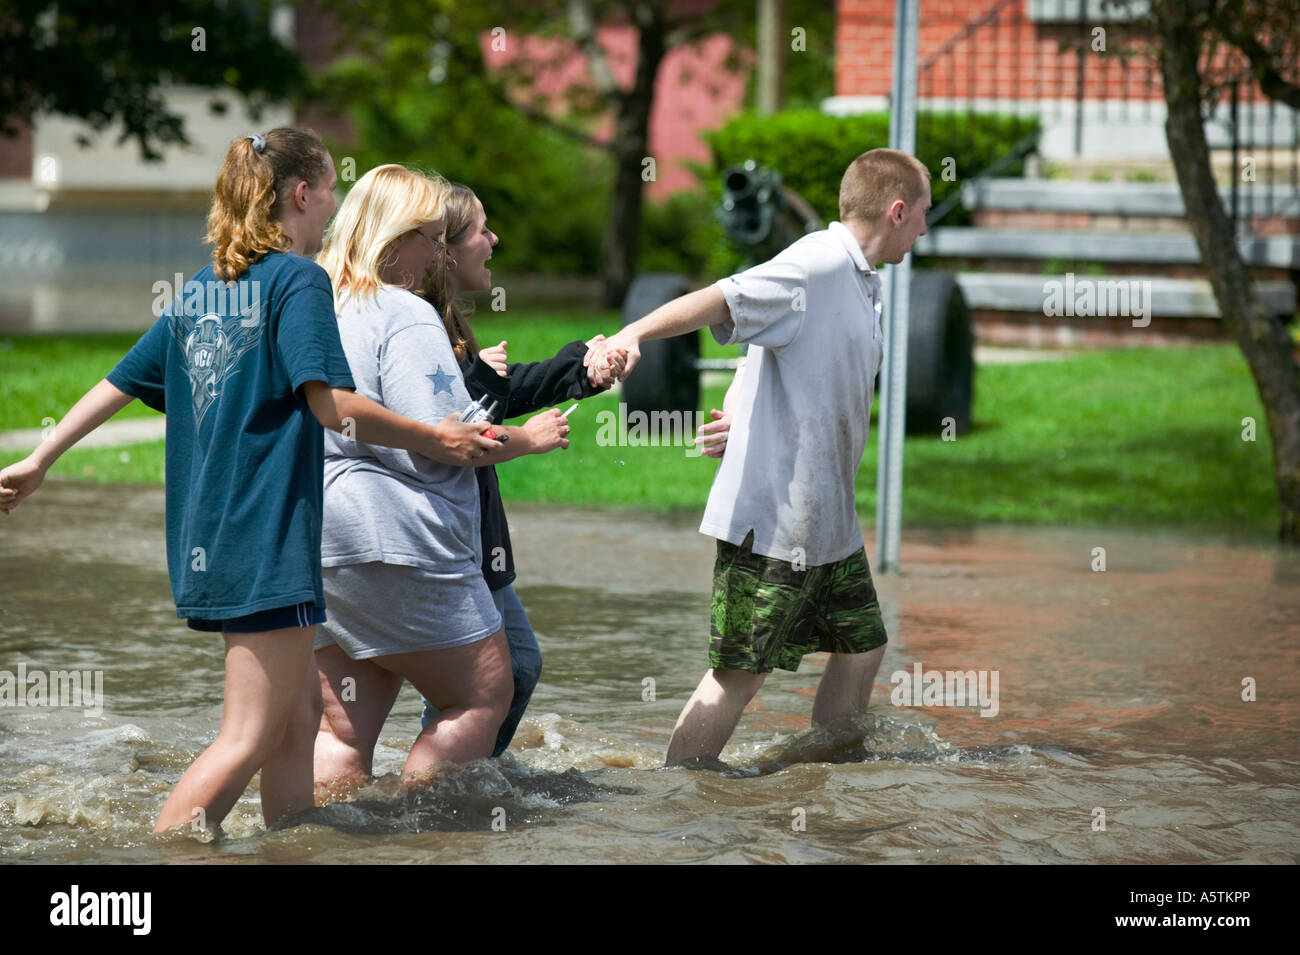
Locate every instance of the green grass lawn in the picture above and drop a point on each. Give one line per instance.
(1137, 437)
(42, 376)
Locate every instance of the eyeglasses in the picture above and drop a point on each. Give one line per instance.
(438, 243)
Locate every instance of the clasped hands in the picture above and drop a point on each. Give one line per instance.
(605, 364)
(616, 357)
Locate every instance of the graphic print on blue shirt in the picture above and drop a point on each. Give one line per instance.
(212, 348)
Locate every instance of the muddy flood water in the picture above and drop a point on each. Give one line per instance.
(1147, 713)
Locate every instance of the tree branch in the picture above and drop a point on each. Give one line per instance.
(583, 27)
(538, 116)
(681, 36)
(498, 92)
(725, 18)
(1263, 64)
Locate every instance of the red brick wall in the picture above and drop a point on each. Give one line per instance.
(1017, 59)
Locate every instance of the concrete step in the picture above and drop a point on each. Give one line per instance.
(1280, 164)
(1117, 198)
(1111, 295)
(1278, 251)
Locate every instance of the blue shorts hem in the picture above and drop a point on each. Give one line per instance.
(279, 618)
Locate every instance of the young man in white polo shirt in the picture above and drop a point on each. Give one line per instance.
(791, 575)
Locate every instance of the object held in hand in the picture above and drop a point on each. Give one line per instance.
(477, 412)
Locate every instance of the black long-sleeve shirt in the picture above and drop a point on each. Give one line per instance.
(527, 387)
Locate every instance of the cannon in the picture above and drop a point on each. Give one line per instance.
(762, 216)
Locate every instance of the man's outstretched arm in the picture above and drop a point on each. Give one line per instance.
(708, 306)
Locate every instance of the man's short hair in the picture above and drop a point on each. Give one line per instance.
(878, 177)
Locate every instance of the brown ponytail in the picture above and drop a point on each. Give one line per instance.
(258, 175)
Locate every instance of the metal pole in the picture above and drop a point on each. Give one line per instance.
(897, 287)
(771, 56)
(1078, 85)
(1234, 120)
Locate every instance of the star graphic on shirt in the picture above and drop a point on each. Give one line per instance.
(441, 381)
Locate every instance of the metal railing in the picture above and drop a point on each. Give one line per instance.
(1015, 60)
(940, 70)
(1273, 205)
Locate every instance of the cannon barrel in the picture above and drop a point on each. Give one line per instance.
(760, 214)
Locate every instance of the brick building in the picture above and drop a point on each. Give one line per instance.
(1083, 66)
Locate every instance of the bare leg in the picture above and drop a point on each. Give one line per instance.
(471, 685)
(356, 698)
(845, 688)
(711, 714)
(286, 775)
(264, 673)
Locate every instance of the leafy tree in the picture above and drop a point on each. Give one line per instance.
(108, 64)
(544, 194)
(1266, 35)
(447, 41)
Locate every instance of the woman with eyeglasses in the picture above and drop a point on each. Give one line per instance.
(401, 549)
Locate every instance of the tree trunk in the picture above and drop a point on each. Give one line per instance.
(631, 149)
(623, 229)
(1262, 337)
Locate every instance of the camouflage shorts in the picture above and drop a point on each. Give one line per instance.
(767, 615)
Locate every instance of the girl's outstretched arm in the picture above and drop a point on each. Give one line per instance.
(95, 407)
(450, 441)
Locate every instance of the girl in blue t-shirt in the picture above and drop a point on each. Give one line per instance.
(247, 365)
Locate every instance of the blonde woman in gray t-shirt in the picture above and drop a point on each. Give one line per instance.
(401, 551)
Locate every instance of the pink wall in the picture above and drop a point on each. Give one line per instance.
(693, 92)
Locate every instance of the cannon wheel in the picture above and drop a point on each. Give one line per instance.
(666, 378)
(940, 355)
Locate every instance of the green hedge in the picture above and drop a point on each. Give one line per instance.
(811, 151)
(682, 234)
